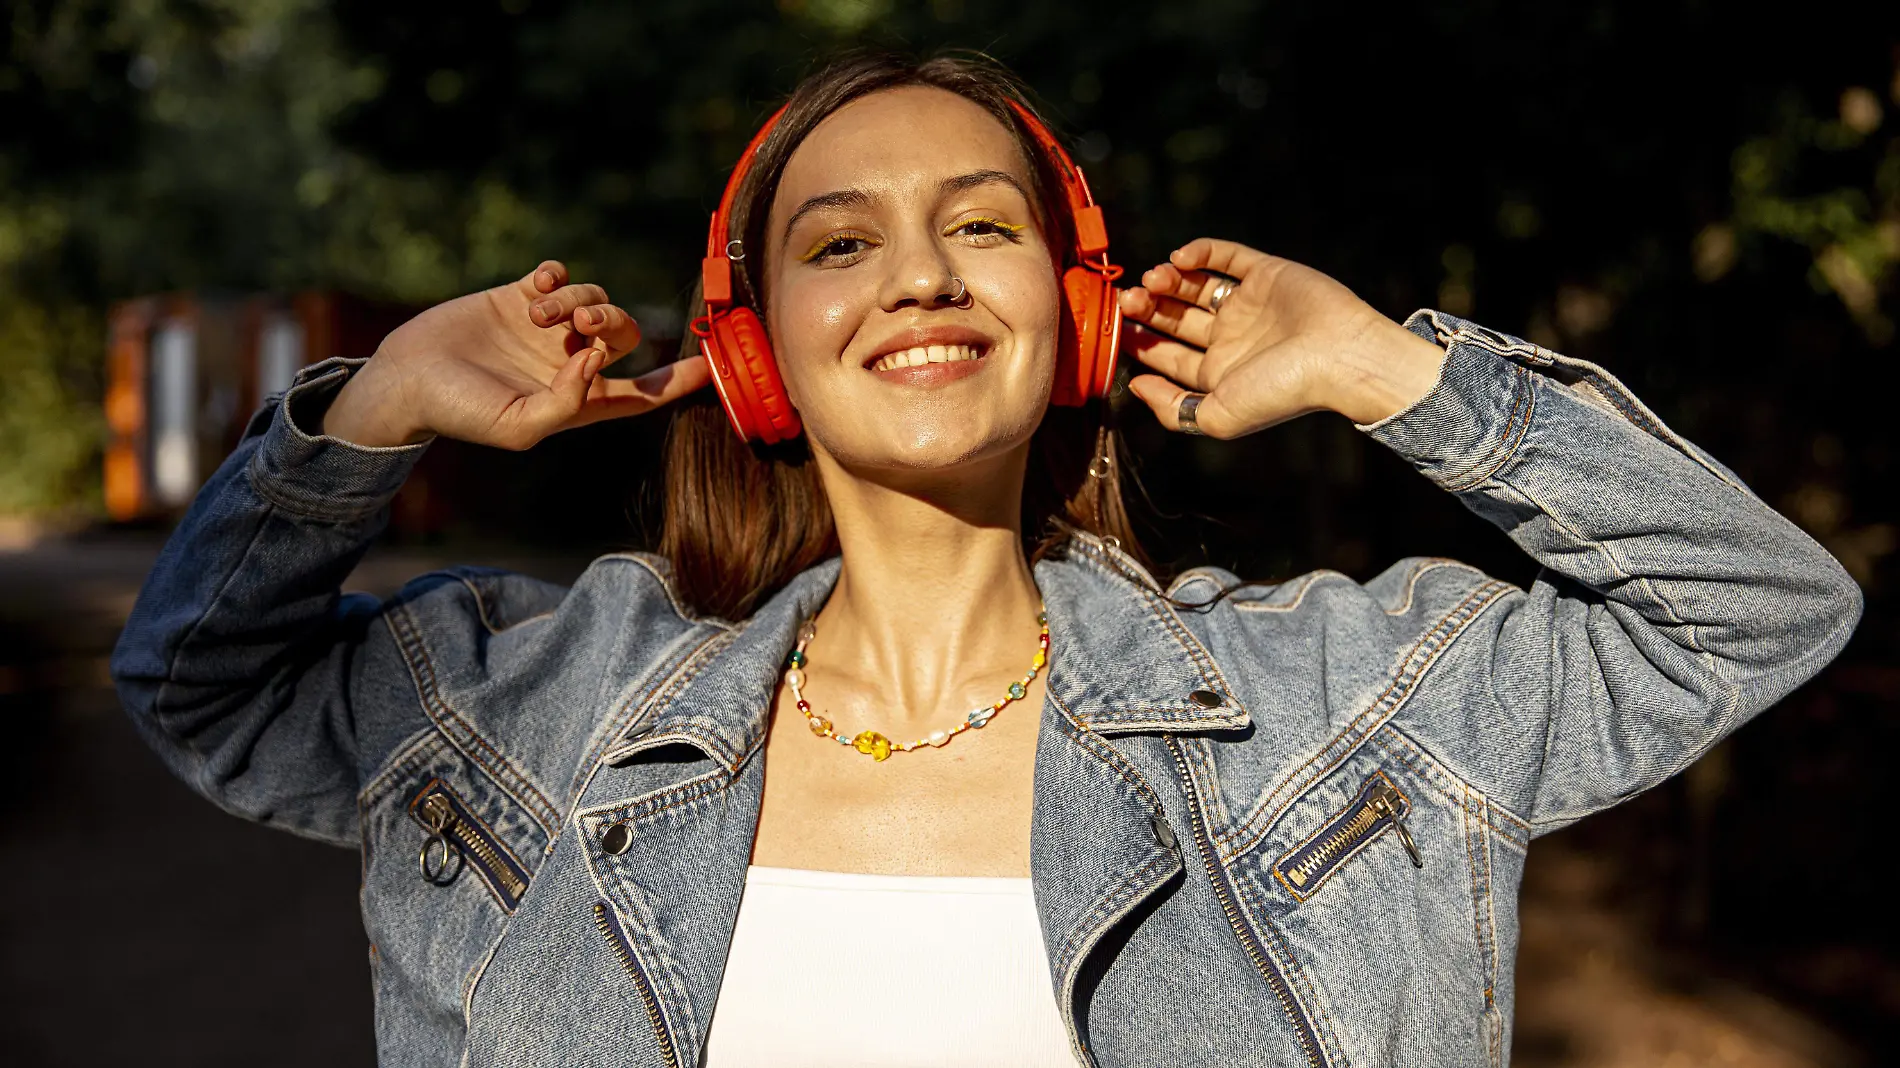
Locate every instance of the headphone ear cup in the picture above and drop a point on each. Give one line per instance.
(1092, 322)
(1074, 355)
(748, 380)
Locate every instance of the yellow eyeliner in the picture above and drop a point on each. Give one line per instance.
(1009, 229)
(828, 240)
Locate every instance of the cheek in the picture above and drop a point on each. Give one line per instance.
(1024, 294)
(811, 320)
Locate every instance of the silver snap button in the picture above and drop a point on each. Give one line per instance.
(1164, 833)
(617, 838)
(1205, 698)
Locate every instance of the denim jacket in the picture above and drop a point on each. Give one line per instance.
(1286, 829)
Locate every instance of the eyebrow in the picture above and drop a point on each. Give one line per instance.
(858, 198)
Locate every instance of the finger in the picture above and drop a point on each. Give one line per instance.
(546, 278)
(613, 398)
(1213, 254)
(536, 415)
(558, 306)
(1164, 399)
(1176, 318)
(610, 327)
(1167, 280)
(1183, 363)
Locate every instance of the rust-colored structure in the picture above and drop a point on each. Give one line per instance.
(184, 372)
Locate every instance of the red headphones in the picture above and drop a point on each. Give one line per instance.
(746, 377)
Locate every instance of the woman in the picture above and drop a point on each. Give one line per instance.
(1210, 823)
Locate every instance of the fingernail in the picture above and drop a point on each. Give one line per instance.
(546, 278)
(547, 310)
(594, 317)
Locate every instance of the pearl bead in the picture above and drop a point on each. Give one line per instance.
(937, 738)
(795, 678)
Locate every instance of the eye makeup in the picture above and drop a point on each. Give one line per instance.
(828, 243)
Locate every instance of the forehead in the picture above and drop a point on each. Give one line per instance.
(897, 142)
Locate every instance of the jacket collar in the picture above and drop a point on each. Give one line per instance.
(1120, 660)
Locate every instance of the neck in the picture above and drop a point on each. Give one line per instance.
(934, 610)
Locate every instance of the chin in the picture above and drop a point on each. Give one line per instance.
(935, 441)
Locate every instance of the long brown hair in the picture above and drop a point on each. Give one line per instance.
(742, 519)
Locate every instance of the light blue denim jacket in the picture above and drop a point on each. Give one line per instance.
(1287, 829)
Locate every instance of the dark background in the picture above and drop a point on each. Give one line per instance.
(1702, 198)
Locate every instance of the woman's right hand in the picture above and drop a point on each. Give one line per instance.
(505, 367)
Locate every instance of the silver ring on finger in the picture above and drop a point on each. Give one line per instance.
(1185, 415)
(1219, 292)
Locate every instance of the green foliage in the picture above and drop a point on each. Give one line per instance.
(50, 428)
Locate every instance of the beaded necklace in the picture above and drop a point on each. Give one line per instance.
(875, 745)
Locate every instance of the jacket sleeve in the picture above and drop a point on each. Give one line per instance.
(256, 680)
(1672, 604)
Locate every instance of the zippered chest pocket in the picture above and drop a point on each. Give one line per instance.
(457, 840)
(1378, 807)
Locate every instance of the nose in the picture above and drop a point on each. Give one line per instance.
(920, 277)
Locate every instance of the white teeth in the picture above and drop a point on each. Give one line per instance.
(923, 354)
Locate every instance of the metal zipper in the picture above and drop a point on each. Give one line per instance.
(1377, 806)
(1302, 1027)
(617, 939)
(450, 824)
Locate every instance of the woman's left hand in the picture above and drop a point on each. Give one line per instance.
(1287, 340)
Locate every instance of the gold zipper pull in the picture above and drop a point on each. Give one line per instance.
(438, 817)
(1383, 803)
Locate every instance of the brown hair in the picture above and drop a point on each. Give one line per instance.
(742, 519)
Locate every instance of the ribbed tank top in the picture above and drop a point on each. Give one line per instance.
(842, 969)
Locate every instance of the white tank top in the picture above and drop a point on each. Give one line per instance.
(842, 969)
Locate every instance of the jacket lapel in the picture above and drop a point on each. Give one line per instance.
(676, 884)
(1110, 826)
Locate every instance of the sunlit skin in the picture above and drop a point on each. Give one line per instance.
(934, 610)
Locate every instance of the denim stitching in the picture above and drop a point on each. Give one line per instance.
(418, 749)
(1410, 672)
(1106, 753)
(1306, 582)
(646, 561)
(1419, 570)
(684, 670)
(422, 670)
(1333, 868)
(1427, 769)
(481, 604)
(1315, 1007)
(1516, 424)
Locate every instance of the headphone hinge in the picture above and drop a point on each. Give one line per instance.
(715, 281)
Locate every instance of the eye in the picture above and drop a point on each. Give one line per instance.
(986, 231)
(838, 247)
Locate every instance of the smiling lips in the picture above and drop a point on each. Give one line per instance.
(926, 354)
(930, 365)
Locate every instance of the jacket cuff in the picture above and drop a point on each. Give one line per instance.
(1470, 423)
(317, 475)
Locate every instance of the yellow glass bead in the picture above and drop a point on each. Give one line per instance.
(873, 743)
(819, 725)
(1041, 659)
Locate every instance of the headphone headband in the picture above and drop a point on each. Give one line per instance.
(1091, 231)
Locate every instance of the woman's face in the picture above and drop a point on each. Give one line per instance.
(887, 199)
